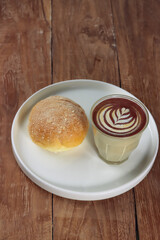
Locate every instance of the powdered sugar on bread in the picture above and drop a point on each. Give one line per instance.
(57, 123)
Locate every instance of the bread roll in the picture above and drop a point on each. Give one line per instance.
(57, 124)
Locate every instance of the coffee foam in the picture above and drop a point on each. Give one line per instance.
(119, 117)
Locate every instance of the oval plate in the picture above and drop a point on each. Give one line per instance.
(79, 173)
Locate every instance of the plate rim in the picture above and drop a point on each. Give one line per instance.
(72, 194)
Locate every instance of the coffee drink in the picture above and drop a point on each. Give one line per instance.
(118, 122)
(119, 117)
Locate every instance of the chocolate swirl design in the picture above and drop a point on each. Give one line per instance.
(119, 117)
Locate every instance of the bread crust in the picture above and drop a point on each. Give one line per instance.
(57, 124)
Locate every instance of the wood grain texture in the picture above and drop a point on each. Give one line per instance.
(84, 46)
(25, 67)
(137, 25)
(108, 219)
(83, 41)
(109, 40)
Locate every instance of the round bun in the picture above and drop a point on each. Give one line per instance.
(57, 124)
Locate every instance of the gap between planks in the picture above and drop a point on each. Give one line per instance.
(119, 74)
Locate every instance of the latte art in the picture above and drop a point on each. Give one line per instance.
(119, 117)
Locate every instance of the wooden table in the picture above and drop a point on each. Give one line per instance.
(48, 41)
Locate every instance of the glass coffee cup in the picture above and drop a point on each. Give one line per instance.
(118, 122)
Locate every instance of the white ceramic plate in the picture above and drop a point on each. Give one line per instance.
(80, 173)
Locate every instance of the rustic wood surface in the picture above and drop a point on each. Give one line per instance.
(45, 41)
(25, 67)
(137, 26)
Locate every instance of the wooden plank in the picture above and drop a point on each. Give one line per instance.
(25, 67)
(105, 219)
(84, 46)
(137, 25)
(84, 41)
